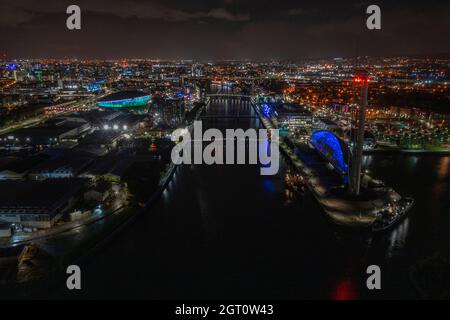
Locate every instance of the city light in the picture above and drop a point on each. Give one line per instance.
(88, 145)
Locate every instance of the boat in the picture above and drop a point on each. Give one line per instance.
(386, 220)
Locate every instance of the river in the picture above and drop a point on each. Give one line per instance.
(226, 232)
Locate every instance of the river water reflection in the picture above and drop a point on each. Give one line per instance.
(228, 232)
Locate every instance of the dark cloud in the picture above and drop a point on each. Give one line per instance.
(14, 12)
(295, 11)
(217, 29)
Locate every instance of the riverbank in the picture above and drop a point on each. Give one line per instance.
(375, 205)
(387, 150)
(94, 237)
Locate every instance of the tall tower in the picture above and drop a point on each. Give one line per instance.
(362, 80)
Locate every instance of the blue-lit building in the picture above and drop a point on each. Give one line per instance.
(290, 115)
(292, 119)
(124, 100)
(333, 149)
(96, 86)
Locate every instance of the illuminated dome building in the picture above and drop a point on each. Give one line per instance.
(125, 99)
(333, 149)
(377, 207)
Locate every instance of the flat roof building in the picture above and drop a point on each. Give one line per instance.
(51, 132)
(37, 204)
(69, 164)
(18, 168)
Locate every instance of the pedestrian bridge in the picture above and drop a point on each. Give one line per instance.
(228, 105)
(228, 96)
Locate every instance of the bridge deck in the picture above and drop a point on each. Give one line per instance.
(225, 95)
(229, 116)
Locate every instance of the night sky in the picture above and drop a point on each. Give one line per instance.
(222, 29)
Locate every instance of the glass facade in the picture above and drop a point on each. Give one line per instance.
(332, 148)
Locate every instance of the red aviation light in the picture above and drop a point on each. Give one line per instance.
(345, 290)
(361, 78)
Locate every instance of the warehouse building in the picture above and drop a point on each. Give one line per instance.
(38, 204)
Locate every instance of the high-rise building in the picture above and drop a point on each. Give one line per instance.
(170, 111)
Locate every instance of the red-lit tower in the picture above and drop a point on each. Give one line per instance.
(362, 79)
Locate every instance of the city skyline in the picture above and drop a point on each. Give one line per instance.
(222, 30)
(224, 149)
